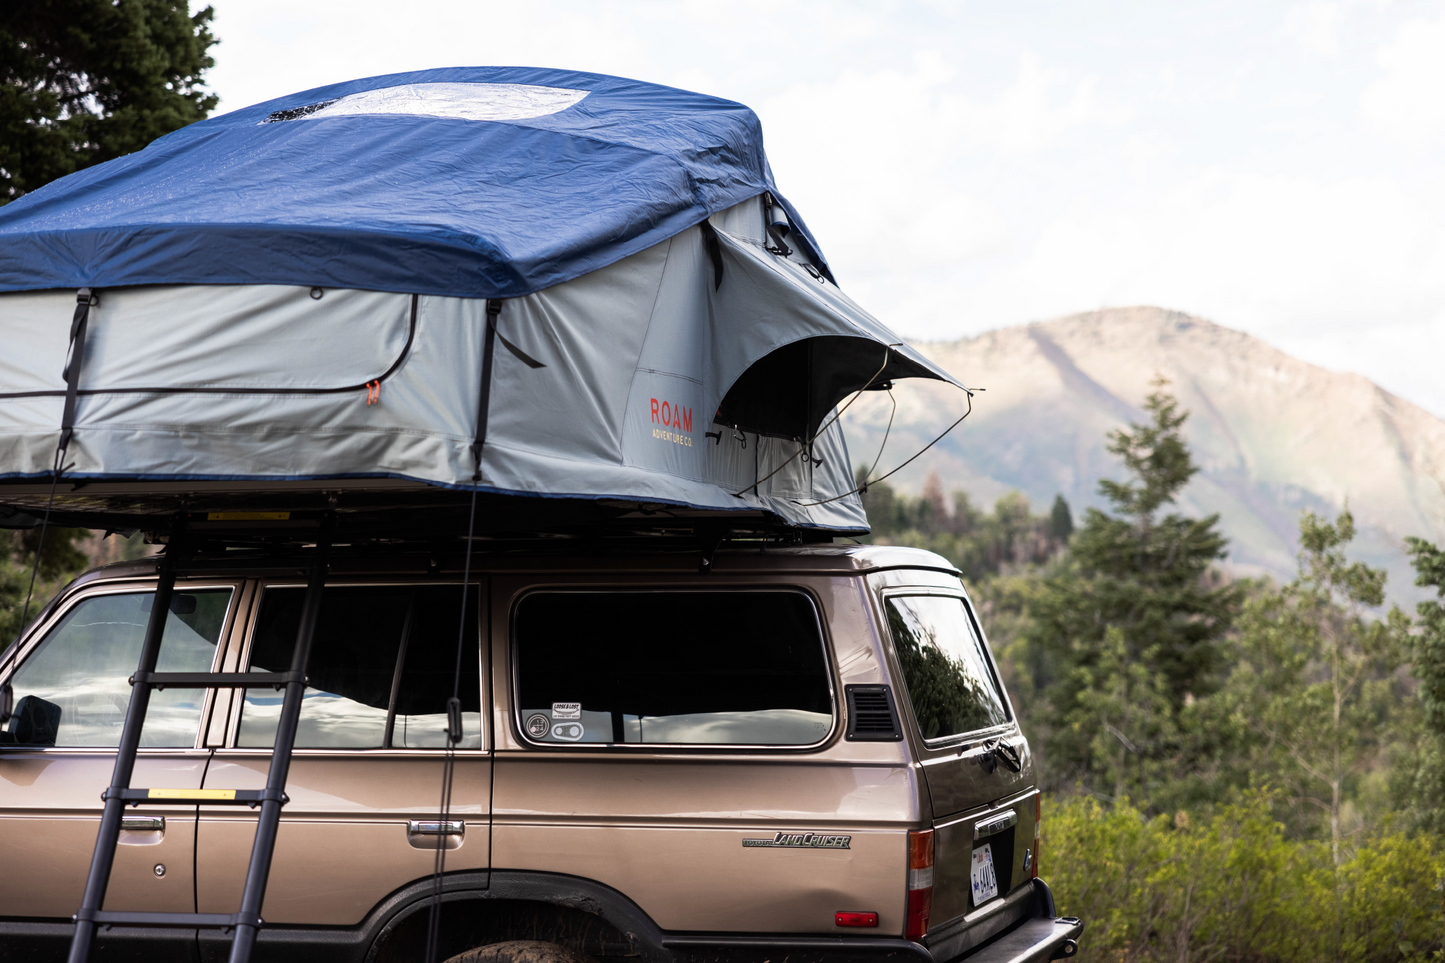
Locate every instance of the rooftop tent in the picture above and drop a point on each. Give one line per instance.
(305, 290)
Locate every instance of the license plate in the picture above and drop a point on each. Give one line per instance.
(985, 883)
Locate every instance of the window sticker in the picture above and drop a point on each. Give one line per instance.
(538, 727)
(567, 710)
(567, 731)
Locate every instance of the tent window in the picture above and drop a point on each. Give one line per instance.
(671, 668)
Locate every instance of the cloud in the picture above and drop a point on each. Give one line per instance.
(1278, 253)
(1408, 102)
(1320, 26)
(1033, 113)
(884, 165)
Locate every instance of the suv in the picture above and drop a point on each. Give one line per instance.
(801, 752)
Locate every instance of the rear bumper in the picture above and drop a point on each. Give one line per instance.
(1036, 940)
(1023, 929)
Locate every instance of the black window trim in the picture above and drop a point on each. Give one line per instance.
(247, 637)
(513, 694)
(16, 656)
(950, 741)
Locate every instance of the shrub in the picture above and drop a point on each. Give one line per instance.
(1230, 886)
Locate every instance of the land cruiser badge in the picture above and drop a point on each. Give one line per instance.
(799, 841)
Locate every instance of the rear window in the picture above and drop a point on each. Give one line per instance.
(950, 685)
(671, 668)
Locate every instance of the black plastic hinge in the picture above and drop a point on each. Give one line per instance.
(872, 714)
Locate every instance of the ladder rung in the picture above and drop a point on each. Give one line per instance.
(184, 920)
(219, 797)
(208, 680)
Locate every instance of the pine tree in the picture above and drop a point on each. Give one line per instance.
(86, 81)
(1136, 611)
(1061, 520)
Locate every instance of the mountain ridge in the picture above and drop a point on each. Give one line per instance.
(1271, 434)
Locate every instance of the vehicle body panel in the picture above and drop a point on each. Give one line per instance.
(655, 831)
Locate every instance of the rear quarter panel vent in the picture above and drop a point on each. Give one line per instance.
(872, 714)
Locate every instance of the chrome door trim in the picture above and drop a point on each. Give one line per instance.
(436, 827)
(995, 824)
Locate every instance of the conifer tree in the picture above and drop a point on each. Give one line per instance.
(86, 81)
(1134, 619)
(1061, 520)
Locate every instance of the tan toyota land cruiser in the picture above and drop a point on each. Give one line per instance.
(803, 753)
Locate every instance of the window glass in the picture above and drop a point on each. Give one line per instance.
(72, 690)
(671, 668)
(355, 691)
(428, 669)
(949, 682)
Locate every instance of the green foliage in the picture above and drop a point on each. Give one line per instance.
(1128, 632)
(981, 545)
(60, 561)
(1234, 750)
(1128, 700)
(59, 557)
(1232, 885)
(12, 599)
(1061, 520)
(1315, 678)
(1424, 789)
(86, 81)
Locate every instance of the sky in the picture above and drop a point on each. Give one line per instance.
(1273, 167)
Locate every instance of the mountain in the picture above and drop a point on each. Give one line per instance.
(1271, 434)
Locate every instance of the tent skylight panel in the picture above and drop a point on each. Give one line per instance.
(456, 101)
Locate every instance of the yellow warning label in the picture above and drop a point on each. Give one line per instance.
(192, 794)
(247, 516)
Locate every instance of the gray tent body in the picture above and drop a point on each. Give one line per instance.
(606, 386)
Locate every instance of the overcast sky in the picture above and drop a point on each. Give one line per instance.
(1275, 168)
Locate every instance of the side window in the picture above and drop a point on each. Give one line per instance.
(949, 681)
(671, 668)
(72, 690)
(380, 671)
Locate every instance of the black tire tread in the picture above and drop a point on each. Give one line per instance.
(521, 951)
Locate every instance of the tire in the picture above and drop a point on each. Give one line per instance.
(521, 951)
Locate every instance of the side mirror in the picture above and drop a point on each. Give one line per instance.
(7, 703)
(37, 722)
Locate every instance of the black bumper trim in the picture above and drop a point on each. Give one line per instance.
(1036, 941)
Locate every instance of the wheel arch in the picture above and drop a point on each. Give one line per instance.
(512, 904)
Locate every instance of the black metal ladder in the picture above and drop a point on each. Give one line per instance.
(247, 920)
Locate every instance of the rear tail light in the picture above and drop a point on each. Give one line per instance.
(1038, 832)
(920, 882)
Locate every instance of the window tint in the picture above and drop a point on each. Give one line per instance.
(72, 690)
(949, 682)
(381, 664)
(671, 668)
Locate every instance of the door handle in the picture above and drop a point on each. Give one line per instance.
(434, 827)
(143, 824)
